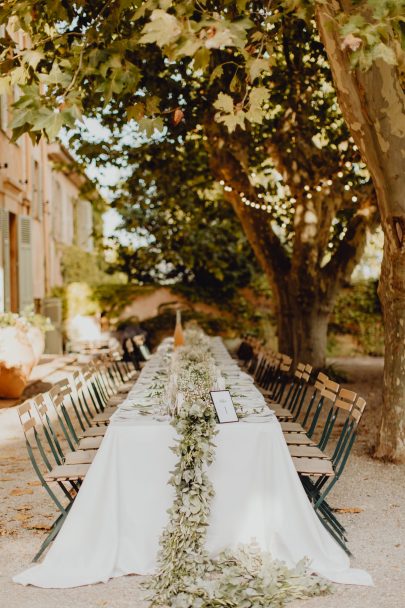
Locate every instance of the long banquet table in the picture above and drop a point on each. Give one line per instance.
(115, 523)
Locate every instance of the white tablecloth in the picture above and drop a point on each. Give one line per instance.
(114, 526)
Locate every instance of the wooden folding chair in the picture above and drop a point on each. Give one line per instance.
(67, 477)
(106, 406)
(275, 382)
(73, 455)
(290, 407)
(58, 394)
(328, 391)
(318, 484)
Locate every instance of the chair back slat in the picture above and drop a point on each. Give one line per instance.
(358, 409)
(346, 399)
(306, 374)
(29, 424)
(285, 364)
(328, 394)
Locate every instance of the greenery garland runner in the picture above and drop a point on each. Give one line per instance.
(187, 577)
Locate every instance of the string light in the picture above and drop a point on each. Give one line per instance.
(291, 200)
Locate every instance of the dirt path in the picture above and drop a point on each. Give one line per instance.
(376, 532)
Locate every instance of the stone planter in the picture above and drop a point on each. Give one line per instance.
(17, 358)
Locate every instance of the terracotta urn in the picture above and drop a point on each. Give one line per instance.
(17, 358)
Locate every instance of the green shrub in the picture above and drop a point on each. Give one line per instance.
(357, 312)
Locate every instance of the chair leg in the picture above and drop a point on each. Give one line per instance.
(56, 526)
(325, 510)
(337, 538)
(320, 504)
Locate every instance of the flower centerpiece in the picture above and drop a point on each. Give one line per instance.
(22, 342)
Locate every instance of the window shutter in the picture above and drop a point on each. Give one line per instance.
(3, 97)
(89, 226)
(3, 112)
(81, 224)
(33, 188)
(40, 199)
(5, 298)
(25, 274)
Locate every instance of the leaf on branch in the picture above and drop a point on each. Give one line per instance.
(384, 52)
(231, 121)
(351, 42)
(32, 58)
(150, 125)
(50, 122)
(220, 38)
(348, 510)
(258, 96)
(224, 102)
(216, 73)
(188, 48)
(55, 76)
(18, 76)
(162, 29)
(202, 59)
(256, 66)
(241, 4)
(152, 104)
(136, 112)
(178, 116)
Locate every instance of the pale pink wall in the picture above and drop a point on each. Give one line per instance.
(146, 306)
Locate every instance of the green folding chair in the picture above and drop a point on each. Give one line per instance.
(41, 452)
(318, 484)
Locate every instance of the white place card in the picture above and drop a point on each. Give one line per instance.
(224, 406)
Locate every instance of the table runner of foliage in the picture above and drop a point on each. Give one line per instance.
(187, 577)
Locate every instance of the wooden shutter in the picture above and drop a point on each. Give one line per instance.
(33, 187)
(3, 97)
(40, 193)
(3, 112)
(5, 297)
(89, 226)
(25, 272)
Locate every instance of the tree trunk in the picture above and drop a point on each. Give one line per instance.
(303, 330)
(373, 105)
(391, 443)
(311, 331)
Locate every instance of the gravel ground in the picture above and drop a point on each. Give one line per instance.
(376, 531)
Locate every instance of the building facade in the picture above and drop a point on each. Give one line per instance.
(41, 212)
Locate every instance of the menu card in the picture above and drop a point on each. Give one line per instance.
(224, 406)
